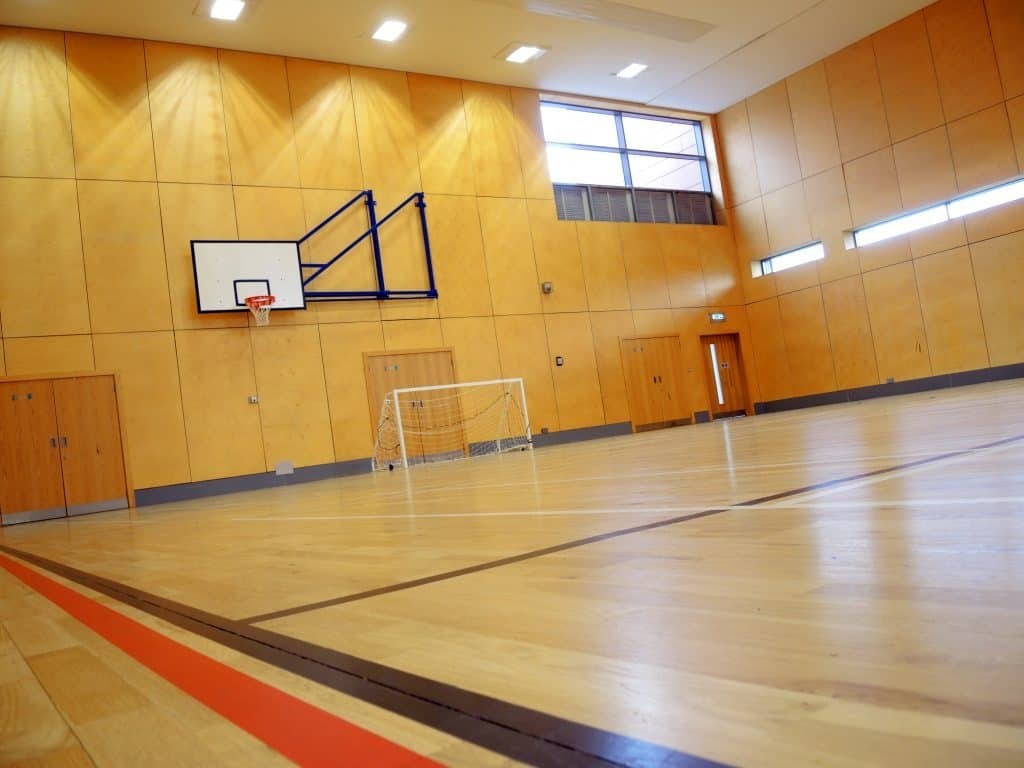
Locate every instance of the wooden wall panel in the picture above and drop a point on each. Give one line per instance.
(924, 167)
(460, 266)
(785, 214)
(1006, 22)
(3, 361)
(35, 123)
(557, 253)
(442, 135)
(857, 100)
(42, 278)
(110, 108)
(681, 249)
(523, 349)
(982, 147)
(771, 361)
(741, 180)
(530, 140)
(1015, 111)
(901, 346)
(654, 322)
(492, 135)
(719, 264)
(849, 328)
(815, 128)
(356, 271)
(874, 193)
(258, 116)
(405, 335)
(223, 428)
(293, 397)
(603, 267)
(808, 348)
(771, 128)
(608, 328)
(125, 268)
(645, 267)
(999, 272)
(387, 133)
(405, 265)
(320, 94)
(189, 136)
(49, 354)
(343, 345)
(952, 317)
(194, 212)
(577, 385)
(474, 344)
(965, 60)
(828, 212)
(907, 75)
(511, 268)
(751, 234)
(149, 394)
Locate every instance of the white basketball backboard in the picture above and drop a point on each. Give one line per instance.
(228, 272)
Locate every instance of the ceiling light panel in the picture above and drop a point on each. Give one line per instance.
(631, 71)
(521, 54)
(390, 30)
(227, 10)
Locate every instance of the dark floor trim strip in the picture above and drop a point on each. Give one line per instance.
(490, 565)
(910, 386)
(520, 733)
(547, 439)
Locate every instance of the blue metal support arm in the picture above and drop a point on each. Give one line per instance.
(333, 216)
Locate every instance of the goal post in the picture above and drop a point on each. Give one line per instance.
(445, 422)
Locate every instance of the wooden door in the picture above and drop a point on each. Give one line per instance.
(724, 366)
(668, 372)
(641, 380)
(30, 470)
(432, 421)
(90, 444)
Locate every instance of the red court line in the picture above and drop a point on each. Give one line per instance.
(301, 732)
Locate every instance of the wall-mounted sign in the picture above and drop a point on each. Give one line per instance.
(716, 317)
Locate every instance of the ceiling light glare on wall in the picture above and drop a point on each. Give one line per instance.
(901, 226)
(627, 73)
(227, 10)
(989, 198)
(524, 53)
(390, 30)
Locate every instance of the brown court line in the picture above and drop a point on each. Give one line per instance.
(492, 564)
(517, 732)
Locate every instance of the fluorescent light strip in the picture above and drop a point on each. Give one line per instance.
(525, 53)
(390, 30)
(938, 214)
(227, 10)
(631, 71)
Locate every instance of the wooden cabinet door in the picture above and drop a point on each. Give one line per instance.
(669, 373)
(639, 363)
(90, 444)
(30, 467)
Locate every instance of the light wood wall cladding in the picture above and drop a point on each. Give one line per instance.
(325, 124)
(808, 347)
(35, 124)
(771, 128)
(923, 110)
(577, 384)
(187, 108)
(49, 354)
(42, 277)
(174, 143)
(150, 395)
(770, 349)
(110, 107)
(125, 270)
(258, 116)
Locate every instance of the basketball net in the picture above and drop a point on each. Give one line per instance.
(260, 308)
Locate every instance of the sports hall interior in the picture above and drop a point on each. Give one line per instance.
(834, 585)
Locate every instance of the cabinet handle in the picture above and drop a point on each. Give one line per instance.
(53, 442)
(64, 440)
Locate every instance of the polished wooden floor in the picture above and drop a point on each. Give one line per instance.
(856, 598)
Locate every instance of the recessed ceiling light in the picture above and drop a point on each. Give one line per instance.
(524, 53)
(631, 71)
(227, 10)
(390, 30)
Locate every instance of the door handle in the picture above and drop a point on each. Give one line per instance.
(53, 442)
(64, 441)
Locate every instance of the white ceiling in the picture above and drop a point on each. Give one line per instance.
(740, 47)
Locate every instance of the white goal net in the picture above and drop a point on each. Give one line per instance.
(418, 425)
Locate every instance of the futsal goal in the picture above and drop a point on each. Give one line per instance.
(418, 425)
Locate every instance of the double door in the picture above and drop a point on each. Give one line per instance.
(60, 449)
(432, 420)
(654, 380)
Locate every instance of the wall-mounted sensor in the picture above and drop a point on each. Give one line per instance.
(547, 287)
(559, 361)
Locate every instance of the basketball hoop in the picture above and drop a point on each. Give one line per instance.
(260, 308)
